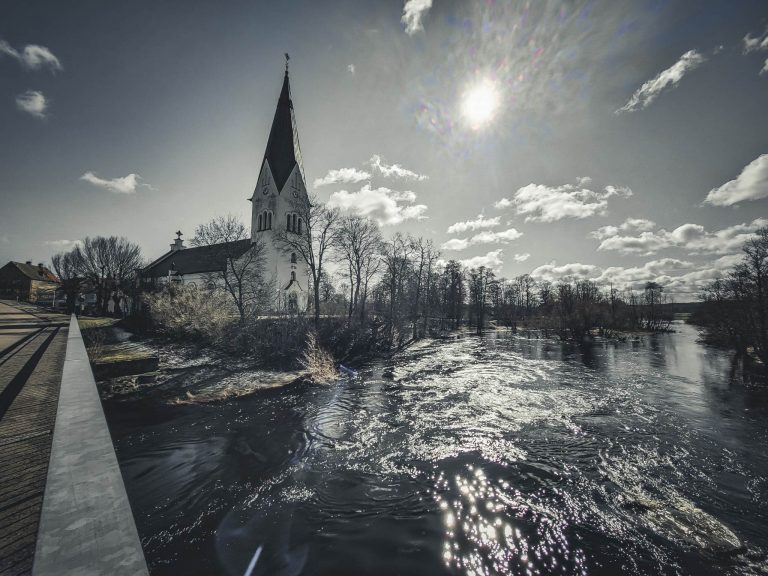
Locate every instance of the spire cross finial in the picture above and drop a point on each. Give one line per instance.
(178, 234)
(287, 57)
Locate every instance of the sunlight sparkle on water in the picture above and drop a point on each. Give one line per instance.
(480, 103)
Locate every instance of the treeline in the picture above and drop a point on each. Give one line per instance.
(734, 310)
(383, 294)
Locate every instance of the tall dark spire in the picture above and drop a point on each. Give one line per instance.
(283, 152)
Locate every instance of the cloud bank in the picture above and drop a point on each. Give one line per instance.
(693, 238)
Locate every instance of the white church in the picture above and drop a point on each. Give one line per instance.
(279, 190)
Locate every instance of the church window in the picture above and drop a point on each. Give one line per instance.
(293, 257)
(293, 275)
(288, 223)
(294, 223)
(259, 226)
(269, 220)
(299, 229)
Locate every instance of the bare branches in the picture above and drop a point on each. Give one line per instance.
(242, 273)
(316, 234)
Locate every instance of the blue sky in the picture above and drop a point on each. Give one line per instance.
(589, 135)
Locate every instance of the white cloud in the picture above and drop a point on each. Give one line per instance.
(455, 244)
(32, 56)
(764, 69)
(541, 203)
(413, 13)
(637, 224)
(567, 272)
(124, 185)
(479, 223)
(521, 257)
(691, 237)
(342, 175)
(492, 260)
(670, 77)
(755, 43)
(32, 102)
(750, 184)
(62, 244)
(629, 225)
(484, 237)
(500, 237)
(351, 68)
(387, 207)
(394, 170)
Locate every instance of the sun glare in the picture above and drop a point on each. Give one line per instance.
(480, 104)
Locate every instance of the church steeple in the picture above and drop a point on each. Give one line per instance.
(283, 151)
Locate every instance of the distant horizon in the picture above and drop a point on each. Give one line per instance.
(615, 142)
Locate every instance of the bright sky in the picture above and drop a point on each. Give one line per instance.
(619, 141)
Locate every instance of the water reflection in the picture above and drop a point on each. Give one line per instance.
(494, 455)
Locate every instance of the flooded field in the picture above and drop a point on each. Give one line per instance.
(492, 455)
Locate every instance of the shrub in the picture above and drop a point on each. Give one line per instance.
(318, 362)
(187, 312)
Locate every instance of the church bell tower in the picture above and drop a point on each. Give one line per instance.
(279, 190)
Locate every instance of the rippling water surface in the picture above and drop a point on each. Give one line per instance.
(493, 455)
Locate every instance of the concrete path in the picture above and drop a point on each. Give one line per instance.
(87, 526)
(32, 349)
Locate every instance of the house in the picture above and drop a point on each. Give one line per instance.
(277, 202)
(196, 266)
(28, 282)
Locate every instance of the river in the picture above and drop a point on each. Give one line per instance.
(500, 454)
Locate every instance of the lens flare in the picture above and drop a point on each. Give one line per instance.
(480, 104)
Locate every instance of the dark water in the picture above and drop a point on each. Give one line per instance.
(494, 455)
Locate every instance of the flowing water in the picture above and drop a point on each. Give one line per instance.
(493, 455)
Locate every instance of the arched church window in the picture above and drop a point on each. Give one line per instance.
(259, 226)
(294, 223)
(293, 275)
(299, 229)
(269, 220)
(288, 223)
(293, 257)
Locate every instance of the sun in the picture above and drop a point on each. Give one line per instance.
(480, 103)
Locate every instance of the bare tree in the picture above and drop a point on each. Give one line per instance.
(107, 263)
(312, 241)
(67, 266)
(242, 273)
(359, 246)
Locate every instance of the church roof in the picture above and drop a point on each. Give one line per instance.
(198, 260)
(283, 151)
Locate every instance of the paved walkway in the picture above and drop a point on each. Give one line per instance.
(63, 506)
(32, 348)
(86, 527)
